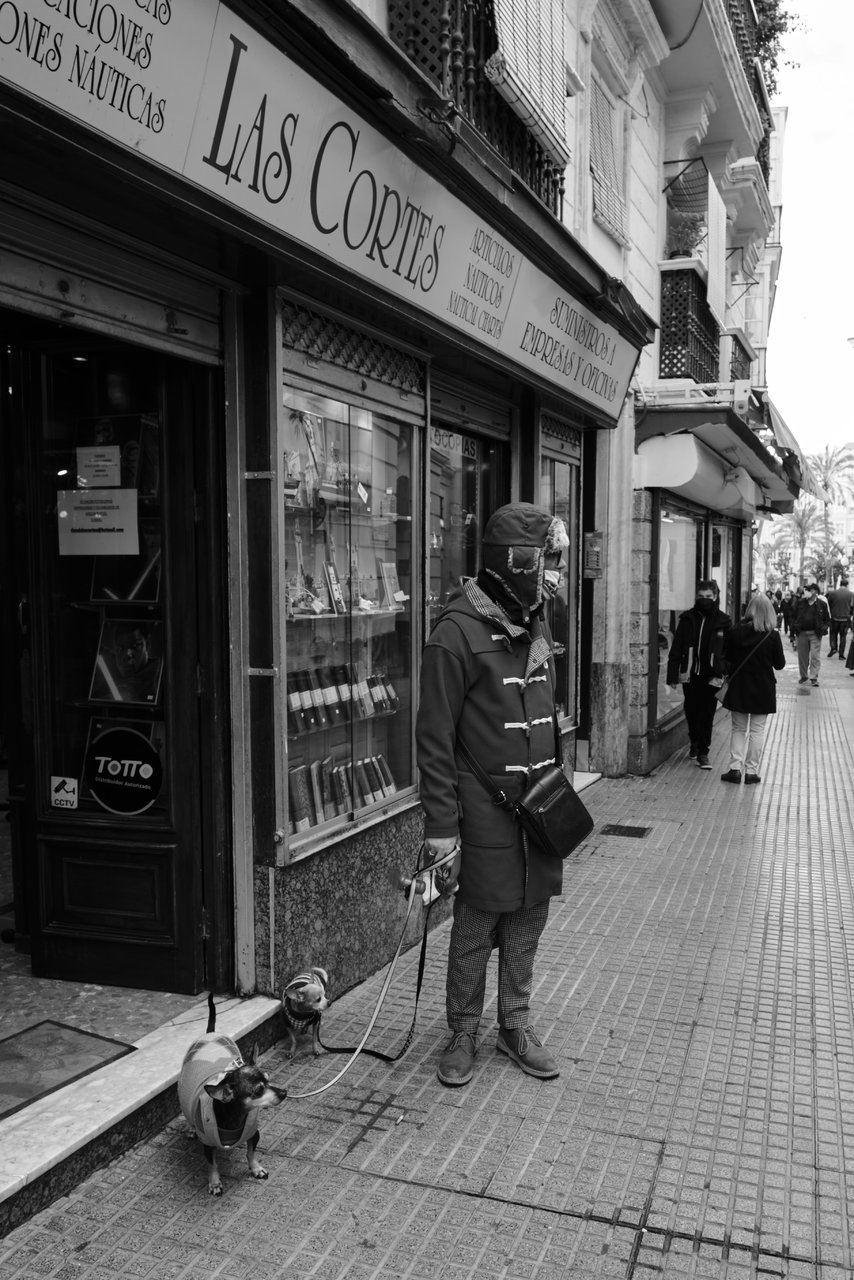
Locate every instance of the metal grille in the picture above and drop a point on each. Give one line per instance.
(451, 41)
(323, 338)
(559, 430)
(690, 335)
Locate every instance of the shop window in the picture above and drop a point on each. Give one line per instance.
(559, 489)
(468, 481)
(348, 600)
(680, 548)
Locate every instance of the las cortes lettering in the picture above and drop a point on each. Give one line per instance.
(370, 217)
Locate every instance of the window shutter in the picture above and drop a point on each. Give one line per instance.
(609, 207)
(529, 68)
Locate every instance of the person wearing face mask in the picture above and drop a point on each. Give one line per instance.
(812, 621)
(695, 659)
(487, 679)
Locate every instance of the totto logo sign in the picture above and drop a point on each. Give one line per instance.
(123, 768)
(124, 771)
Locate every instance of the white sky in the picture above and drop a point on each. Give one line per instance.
(810, 363)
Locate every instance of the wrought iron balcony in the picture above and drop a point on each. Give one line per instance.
(451, 40)
(742, 21)
(690, 334)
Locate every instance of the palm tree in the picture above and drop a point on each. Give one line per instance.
(800, 529)
(834, 470)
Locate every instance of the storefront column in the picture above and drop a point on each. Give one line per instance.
(610, 667)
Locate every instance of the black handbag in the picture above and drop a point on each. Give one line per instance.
(550, 812)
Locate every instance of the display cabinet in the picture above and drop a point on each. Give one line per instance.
(347, 583)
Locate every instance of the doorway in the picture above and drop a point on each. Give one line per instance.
(111, 653)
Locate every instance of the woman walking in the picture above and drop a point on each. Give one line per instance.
(753, 651)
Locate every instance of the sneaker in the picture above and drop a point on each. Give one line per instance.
(456, 1065)
(731, 775)
(527, 1052)
(692, 752)
(803, 680)
(814, 682)
(703, 762)
(752, 777)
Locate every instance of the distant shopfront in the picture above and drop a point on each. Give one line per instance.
(700, 479)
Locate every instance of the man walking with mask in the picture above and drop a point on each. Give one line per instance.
(696, 658)
(487, 679)
(812, 621)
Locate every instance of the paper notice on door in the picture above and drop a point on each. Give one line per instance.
(98, 466)
(97, 522)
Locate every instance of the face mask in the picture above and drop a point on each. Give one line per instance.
(705, 606)
(551, 583)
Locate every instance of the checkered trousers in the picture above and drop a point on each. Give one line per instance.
(474, 935)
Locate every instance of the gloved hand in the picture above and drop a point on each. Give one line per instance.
(447, 876)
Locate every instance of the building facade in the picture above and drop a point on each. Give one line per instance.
(292, 297)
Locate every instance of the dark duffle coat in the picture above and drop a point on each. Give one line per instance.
(491, 682)
(753, 689)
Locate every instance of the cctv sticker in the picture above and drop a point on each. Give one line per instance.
(123, 771)
(63, 793)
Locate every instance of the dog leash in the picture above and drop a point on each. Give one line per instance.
(360, 1047)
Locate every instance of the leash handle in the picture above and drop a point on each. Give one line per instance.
(360, 1047)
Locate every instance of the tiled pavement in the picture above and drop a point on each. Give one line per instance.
(695, 982)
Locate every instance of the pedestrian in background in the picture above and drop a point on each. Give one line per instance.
(812, 621)
(753, 651)
(695, 658)
(840, 602)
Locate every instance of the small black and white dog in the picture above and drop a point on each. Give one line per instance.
(221, 1094)
(303, 1002)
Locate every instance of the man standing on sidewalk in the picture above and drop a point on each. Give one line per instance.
(840, 602)
(696, 658)
(487, 680)
(812, 621)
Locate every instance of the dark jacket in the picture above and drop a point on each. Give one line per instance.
(840, 602)
(753, 688)
(697, 648)
(492, 682)
(812, 617)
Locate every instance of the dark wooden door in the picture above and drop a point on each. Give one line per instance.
(101, 620)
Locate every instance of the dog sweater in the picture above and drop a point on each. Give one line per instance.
(208, 1061)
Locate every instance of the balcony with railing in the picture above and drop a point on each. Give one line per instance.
(451, 41)
(689, 342)
(745, 28)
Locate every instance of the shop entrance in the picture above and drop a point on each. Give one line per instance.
(108, 660)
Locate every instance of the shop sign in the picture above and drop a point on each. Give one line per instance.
(123, 771)
(190, 86)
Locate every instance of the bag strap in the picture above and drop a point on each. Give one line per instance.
(747, 657)
(499, 797)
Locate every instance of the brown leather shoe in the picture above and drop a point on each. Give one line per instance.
(527, 1052)
(456, 1065)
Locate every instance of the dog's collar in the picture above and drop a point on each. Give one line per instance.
(310, 1017)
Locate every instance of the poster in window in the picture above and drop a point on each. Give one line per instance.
(121, 450)
(129, 663)
(131, 578)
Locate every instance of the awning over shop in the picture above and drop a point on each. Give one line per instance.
(789, 445)
(730, 448)
(682, 464)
